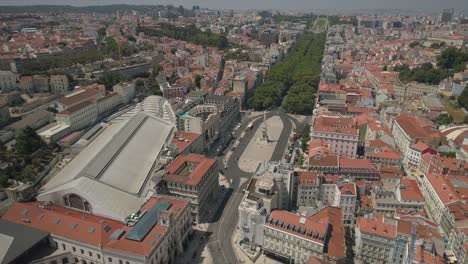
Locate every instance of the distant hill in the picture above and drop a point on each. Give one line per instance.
(107, 9)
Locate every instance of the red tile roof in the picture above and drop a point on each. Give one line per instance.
(308, 177)
(346, 162)
(87, 228)
(410, 191)
(420, 146)
(74, 99)
(443, 188)
(335, 125)
(318, 222)
(76, 108)
(417, 127)
(195, 175)
(184, 139)
(348, 189)
(377, 226)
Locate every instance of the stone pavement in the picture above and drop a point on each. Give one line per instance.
(260, 151)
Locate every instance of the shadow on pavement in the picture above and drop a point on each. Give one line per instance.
(193, 249)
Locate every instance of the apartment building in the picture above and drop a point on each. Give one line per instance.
(414, 153)
(195, 178)
(7, 81)
(271, 187)
(308, 189)
(78, 116)
(441, 165)
(375, 239)
(316, 190)
(202, 119)
(85, 93)
(340, 133)
(415, 89)
(59, 84)
(154, 234)
(439, 193)
(410, 129)
(397, 194)
(458, 238)
(126, 90)
(295, 238)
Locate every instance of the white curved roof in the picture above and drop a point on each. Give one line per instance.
(452, 133)
(113, 171)
(158, 106)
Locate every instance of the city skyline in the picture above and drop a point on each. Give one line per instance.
(354, 5)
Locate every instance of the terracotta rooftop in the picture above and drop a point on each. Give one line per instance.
(420, 146)
(410, 191)
(346, 162)
(75, 108)
(308, 177)
(189, 169)
(348, 189)
(313, 228)
(342, 125)
(377, 226)
(90, 229)
(184, 139)
(417, 127)
(84, 94)
(443, 188)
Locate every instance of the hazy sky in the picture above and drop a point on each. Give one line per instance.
(422, 5)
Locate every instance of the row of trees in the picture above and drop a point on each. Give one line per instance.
(188, 33)
(298, 73)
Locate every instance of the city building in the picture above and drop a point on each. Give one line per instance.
(41, 83)
(239, 83)
(154, 233)
(126, 90)
(295, 238)
(439, 193)
(340, 133)
(268, 37)
(194, 178)
(85, 93)
(113, 176)
(409, 130)
(78, 116)
(59, 84)
(202, 119)
(375, 239)
(414, 153)
(270, 188)
(7, 81)
(458, 238)
(397, 194)
(159, 107)
(441, 165)
(415, 89)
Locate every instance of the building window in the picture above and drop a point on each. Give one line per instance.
(64, 247)
(90, 253)
(65, 261)
(82, 251)
(74, 249)
(109, 259)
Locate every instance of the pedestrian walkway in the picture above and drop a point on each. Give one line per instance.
(258, 151)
